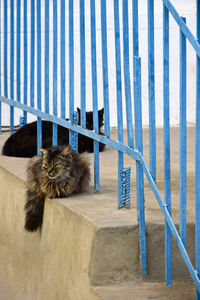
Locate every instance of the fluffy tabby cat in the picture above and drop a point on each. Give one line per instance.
(60, 172)
(23, 143)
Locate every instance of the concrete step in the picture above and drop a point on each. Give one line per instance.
(147, 291)
(87, 241)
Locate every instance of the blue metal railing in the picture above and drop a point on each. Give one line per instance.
(55, 71)
(94, 93)
(167, 170)
(11, 63)
(139, 171)
(39, 100)
(105, 67)
(25, 60)
(32, 77)
(183, 138)
(46, 55)
(197, 160)
(0, 77)
(151, 85)
(133, 149)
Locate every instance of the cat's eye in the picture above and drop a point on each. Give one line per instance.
(57, 164)
(45, 166)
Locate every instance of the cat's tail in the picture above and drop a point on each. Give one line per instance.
(34, 208)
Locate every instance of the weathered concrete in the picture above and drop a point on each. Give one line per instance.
(86, 239)
(147, 291)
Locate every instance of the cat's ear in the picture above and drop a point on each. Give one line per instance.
(79, 114)
(67, 152)
(101, 112)
(44, 151)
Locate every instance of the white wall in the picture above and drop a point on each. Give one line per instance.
(186, 8)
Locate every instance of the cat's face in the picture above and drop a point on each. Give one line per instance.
(56, 161)
(89, 118)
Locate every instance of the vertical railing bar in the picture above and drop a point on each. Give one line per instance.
(82, 63)
(139, 169)
(74, 144)
(135, 29)
(0, 72)
(183, 139)
(46, 56)
(5, 51)
(11, 64)
(62, 56)
(135, 52)
(18, 50)
(197, 158)
(127, 74)
(25, 58)
(94, 94)
(105, 67)
(55, 44)
(39, 106)
(32, 53)
(151, 85)
(167, 184)
(71, 64)
(119, 93)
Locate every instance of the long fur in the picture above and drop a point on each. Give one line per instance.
(23, 143)
(58, 173)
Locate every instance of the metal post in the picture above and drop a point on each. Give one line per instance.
(32, 52)
(94, 94)
(62, 56)
(197, 159)
(105, 67)
(5, 51)
(127, 74)
(0, 72)
(151, 84)
(71, 64)
(25, 59)
(183, 138)
(55, 58)
(82, 63)
(18, 56)
(119, 94)
(139, 170)
(11, 64)
(39, 106)
(167, 172)
(47, 56)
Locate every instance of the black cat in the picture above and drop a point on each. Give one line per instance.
(23, 143)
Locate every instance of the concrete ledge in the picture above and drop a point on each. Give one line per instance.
(147, 291)
(85, 240)
(51, 264)
(70, 252)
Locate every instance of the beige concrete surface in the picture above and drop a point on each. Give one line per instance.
(86, 239)
(147, 291)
